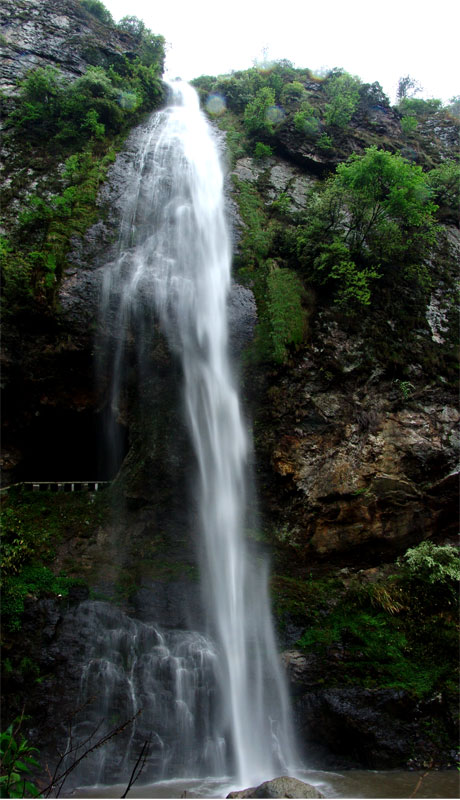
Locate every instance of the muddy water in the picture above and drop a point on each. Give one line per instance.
(346, 784)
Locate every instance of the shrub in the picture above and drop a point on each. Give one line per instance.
(421, 109)
(408, 124)
(262, 150)
(98, 10)
(256, 118)
(305, 121)
(293, 93)
(17, 763)
(432, 564)
(445, 185)
(342, 91)
(372, 219)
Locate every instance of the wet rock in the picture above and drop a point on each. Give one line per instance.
(279, 787)
(57, 32)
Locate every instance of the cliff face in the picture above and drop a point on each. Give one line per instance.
(355, 434)
(59, 33)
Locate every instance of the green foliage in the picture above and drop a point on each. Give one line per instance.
(32, 525)
(256, 114)
(405, 387)
(257, 234)
(132, 25)
(433, 564)
(354, 285)
(32, 580)
(372, 96)
(342, 91)
(292, 92)
(262, 150)
(98, 10)
(444, 182)
(374, 219)
(386, 636)
(325, 143)
(306, 121)
(17, 761)
(283, 318)
(421, 109)
(408, 124)
(45, 227)
(99, 102)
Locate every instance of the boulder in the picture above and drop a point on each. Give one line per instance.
(279, 787)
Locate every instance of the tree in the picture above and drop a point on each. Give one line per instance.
(407, 87)
(342, 91)
(256, 117)
(374, 220)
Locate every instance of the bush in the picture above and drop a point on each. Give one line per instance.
(421, 109)
(432, 564)
(374, 219)
(305, 121)
(17, 762)
(98, 10)
(408, 125)
(256, 117)
(262, 150)
(445, 185)
(342, 91)
(292, 93)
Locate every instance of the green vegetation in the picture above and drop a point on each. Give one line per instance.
(433, 565)
(262, 150)
(368, 239)
(372, 221)
(257, 119)
(32, 526)
(17, 761)
(444, 182)
(283, 321)
(400, 632)
(81, 123)
(98, 10)
(342, 91)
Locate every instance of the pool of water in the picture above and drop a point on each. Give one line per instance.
(345, 784)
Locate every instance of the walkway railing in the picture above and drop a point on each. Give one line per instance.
(58, 486)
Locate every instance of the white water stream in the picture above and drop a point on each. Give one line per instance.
(175, 254)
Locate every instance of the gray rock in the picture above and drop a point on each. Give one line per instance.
(61, 33)
(279, 787)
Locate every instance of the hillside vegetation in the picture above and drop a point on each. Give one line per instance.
(366, 238)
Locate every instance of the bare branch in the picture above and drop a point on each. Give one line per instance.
(140, 761)
(59, 780)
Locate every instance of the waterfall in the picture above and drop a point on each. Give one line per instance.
(175, 258)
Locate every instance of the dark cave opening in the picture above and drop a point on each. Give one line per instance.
(66, 445)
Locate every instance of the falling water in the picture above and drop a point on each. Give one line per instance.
(175, 254)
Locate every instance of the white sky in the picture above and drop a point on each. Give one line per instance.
(378, 41)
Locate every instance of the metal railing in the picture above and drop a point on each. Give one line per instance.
(58, 486)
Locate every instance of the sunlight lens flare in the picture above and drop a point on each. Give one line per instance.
(215, 104)
(274, 114)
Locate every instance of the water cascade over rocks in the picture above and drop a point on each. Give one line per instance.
(214, 705)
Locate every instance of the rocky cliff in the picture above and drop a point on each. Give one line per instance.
(59, 33)
(355, 438)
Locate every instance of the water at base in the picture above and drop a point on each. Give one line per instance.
(174, 266)
(345, 784)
